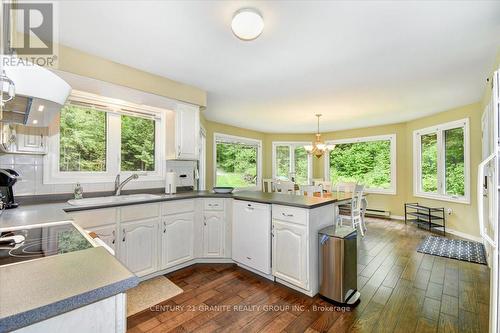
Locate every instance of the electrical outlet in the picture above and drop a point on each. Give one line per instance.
(449, 211)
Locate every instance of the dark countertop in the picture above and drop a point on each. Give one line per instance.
(36, 290)
(300, 201)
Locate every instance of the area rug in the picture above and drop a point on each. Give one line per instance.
(149, 293)
(454, 249)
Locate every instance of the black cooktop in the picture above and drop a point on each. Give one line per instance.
(41, 241)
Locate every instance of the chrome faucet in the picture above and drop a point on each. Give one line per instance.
(119, 186)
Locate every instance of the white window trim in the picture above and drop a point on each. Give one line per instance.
(417, 181)
(292, 145)
(114, 109)
(239, 139)
(392, 137)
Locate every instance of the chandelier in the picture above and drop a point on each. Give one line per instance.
(318, 148)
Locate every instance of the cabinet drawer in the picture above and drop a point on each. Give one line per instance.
(95, 217)
(140, 212)
(213, 204)
(178, 206)
(290, 214)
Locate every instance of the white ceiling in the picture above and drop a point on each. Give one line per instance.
(359, 63)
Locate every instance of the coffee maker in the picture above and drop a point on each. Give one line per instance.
(8, 178)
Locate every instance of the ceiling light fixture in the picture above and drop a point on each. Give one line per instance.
(318, 148)
(247, 24)
(41, 107)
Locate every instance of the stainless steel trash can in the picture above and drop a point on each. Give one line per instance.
(338, 259)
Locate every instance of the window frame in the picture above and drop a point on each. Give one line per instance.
(114, 109)
(441, 163)
(292, 145)
(218, 137)
(386, 137)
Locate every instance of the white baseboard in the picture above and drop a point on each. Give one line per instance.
(267, 276)
(450, 230)
(464, 235)
(186, 264)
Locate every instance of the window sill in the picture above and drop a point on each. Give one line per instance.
(463, 200)
(386, 192)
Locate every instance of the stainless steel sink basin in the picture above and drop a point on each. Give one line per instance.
(98, 201)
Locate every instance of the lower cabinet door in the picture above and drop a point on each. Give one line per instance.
(107, 234)
(213, 234)
(177, 244)
(290, 253)
(139, 246)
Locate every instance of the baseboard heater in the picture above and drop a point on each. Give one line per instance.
(345, 210)
(377, 213)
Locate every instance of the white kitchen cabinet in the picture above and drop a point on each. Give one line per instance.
(139, 246)
(251, 241)
(108, 315)
(290, 253)
(214, 234)
(183, 133)
(177, 245)
(107, 234)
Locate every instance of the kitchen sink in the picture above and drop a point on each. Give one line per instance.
(98, 201)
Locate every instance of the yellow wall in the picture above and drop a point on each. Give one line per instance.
(81, 63)
(463, 218)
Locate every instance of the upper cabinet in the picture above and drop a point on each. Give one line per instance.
(183, 133)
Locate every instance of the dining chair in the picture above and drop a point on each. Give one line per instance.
(309, 190)
(345, 187)
(285, 186)
(356, 211)
(327, 186)
(267, 185)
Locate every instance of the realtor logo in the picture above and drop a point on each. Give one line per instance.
(30, 33)
(31, 28)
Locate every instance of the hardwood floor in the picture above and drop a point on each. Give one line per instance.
(401, 291)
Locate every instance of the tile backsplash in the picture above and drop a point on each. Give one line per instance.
(30, 167)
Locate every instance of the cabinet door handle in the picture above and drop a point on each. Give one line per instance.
(287, 215)
(178, 150)
(114, 238)
(124, 234)
(164, 226)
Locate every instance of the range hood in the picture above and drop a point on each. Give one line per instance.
(39, 93)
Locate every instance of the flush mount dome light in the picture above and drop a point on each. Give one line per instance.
(247, 24)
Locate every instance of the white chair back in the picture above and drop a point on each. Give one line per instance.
(356, 204)
(267, 185)
(356, 216)
(309, 190)
(285, 187)
(327, 186)
(346, 187)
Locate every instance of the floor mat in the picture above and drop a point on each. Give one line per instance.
(149, 293)
(454, 248)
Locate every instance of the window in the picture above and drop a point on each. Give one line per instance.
(96, 139)
(83, 139)
(137, 144)
(290, 160)
(441, 162)
(237, 161)
(370, 161)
